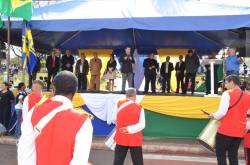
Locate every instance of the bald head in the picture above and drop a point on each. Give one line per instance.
(65, 83)
(131, 93)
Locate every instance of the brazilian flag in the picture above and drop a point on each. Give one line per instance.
(17, 8)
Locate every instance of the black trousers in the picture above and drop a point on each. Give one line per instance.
(31, 79)
(208, 83)
(51, 74)
(180, 80)
(227, 145)
(166, 80)
(150, 79)
(247, 155)
(82, 81)
(5, 114)
(192, 77)
(121, 152)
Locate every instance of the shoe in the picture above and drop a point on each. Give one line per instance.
(176, 92)
(192, 93)
(122, 92)
(145, 92)
(168, 91)
(184, 93)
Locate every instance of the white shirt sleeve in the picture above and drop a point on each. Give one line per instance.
(139, 126)
(25, 107)
(83, 144)
(114, 114)
(223, 107)
(26, 146)
(248, 125)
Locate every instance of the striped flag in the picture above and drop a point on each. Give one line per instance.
(29, 58)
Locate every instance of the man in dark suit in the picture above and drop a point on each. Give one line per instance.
(180, 68)
(192, 63)
(68, 61)
(52, 65)
(81, 71)
(34, 72)
(150, 67)
(127, 60)
(166, 69)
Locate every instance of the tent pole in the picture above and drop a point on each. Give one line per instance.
(134, 37)
(8, 54)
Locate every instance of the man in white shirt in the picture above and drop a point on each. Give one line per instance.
(166, 70)
(55, 133)
(81, 71)
(130, 121)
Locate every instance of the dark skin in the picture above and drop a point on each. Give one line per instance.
(69, 96)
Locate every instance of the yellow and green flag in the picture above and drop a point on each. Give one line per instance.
(17, 8)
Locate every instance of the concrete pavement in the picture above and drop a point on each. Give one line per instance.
(152, 145)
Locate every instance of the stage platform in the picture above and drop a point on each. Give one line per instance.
(167, 116)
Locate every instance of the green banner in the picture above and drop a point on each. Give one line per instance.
(164, 126)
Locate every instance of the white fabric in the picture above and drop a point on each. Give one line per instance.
(83, 144)
(25, 109)
(103, 106)
(82, 63)
(19, 105)
(26, 146)
(223, 107)
(166, 69)
(138, 126)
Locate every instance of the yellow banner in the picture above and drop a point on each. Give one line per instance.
(181, 106)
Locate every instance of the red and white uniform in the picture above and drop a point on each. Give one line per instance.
(29, 102)
(130, 115)
(55, 134)
(233, 121)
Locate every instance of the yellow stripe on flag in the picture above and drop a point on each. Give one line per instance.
(19, 3)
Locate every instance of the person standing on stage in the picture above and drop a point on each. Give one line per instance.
(111, 72)
(232, 114)
(81, 71)
(130, 121)
(67, 61)
(192, 64)
(127, 61)
(232, 62)
(54, 133)
(180, 69)
(166, 69)
(95, 70)
(52, 65)
(150, 68)
(208, 76)
(33, 98)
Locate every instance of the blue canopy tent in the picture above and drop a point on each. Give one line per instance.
(144, 24)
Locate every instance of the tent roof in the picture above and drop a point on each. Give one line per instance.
(170, 15)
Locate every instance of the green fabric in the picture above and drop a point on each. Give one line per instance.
(1, 22)
(24, 11)
(163, 126)
(220, 72)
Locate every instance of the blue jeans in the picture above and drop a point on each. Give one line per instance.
(230, 72)
(127, 77)
(18, 124)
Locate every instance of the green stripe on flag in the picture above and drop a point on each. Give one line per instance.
(22, 11)
(163, 126)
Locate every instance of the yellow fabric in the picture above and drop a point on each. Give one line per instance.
(18, 3)
(77, 99)
(174, 58)
(181, 106)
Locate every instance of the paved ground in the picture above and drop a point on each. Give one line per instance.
(103, 157)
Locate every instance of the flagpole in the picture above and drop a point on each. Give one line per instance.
(8, 55)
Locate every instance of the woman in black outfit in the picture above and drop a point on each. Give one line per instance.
(6, 99)
(111, 72)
